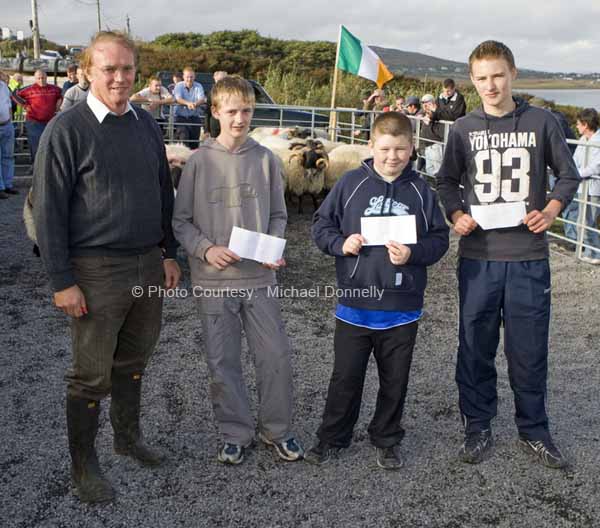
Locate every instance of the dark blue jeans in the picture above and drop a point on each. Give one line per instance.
(34, 133)
(516, 294)
(7, 157)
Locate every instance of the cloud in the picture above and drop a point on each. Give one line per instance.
(552, 35)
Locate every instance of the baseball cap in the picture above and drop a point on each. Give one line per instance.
(412, 100)
(427, 98)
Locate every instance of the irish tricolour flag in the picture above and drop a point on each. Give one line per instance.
(357, 58)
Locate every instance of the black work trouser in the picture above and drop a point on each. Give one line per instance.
(393, 350)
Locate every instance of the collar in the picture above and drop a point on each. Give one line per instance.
(100, 110)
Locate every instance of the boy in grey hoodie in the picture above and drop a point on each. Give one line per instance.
(234, 181)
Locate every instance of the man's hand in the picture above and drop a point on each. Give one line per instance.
(220, 257)
(71, 301)
(463, 223)
(353, 244)
(399, 253)
(275, 265)
(191, 106)
(172, 273)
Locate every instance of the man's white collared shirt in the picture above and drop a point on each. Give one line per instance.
(100, 110)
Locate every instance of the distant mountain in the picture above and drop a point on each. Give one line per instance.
(415, 64)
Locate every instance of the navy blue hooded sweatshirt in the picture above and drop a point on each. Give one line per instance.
(520, 145)
(362, 192)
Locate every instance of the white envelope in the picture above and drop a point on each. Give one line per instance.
(256, 246)
(497, 216)
(379, 230)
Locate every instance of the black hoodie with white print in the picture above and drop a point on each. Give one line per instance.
(520, 145)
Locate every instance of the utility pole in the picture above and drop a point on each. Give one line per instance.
(35, 30)
(98, 10)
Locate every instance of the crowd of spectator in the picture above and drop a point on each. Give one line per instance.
(193, 121)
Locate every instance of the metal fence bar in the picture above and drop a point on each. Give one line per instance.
(347, 128)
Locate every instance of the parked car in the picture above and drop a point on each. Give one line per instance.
(263, 116)
(50, 55)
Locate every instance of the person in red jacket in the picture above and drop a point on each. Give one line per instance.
(42, 101)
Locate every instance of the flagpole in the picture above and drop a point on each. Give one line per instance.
(333, 114)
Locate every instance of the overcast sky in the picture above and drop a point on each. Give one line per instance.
(549, 35)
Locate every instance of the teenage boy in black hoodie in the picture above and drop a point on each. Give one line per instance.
(498, 154)
(384, 320)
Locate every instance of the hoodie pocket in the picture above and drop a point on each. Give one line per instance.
(372, 267)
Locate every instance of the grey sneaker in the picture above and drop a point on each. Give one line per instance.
(321, 453)
(476, 447)
(231, 454)
(545, 450)
(389, 457)
(289, 449)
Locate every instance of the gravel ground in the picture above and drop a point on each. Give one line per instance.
(193, 489)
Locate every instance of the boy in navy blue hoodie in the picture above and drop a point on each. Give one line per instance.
(385, 319)
(497, 155)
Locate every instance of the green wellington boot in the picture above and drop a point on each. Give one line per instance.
(86, 476)
(125, 418)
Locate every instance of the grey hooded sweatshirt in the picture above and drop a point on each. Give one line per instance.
(503, 159)
(218, 190)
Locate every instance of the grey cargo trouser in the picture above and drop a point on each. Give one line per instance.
(222, 320)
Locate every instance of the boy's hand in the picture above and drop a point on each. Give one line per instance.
(353, 244)
(463, 223)
(220, 257)
(539, 221)
(399, 253)
(275, 265)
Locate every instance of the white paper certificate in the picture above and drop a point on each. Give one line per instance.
(379, 230)
(497, 216)
(256, 246)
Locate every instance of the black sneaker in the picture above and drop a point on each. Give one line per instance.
(545, 450)
(11, 191)
(389, 457)
(476, 447)
(321, 453)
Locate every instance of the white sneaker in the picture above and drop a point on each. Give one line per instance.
(590, 260)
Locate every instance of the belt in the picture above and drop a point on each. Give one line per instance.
(5, 122)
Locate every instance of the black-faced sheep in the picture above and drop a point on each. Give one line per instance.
(304, 163)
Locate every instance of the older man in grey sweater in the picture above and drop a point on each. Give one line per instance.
(103, 203)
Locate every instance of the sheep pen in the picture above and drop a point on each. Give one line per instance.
(194, 490)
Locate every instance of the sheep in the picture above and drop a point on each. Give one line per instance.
(303, 162)
(342, 159)
(177, 156)
(30, 222)
(307, 133)
(263, 132)
(275, 143)
(306, 171)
